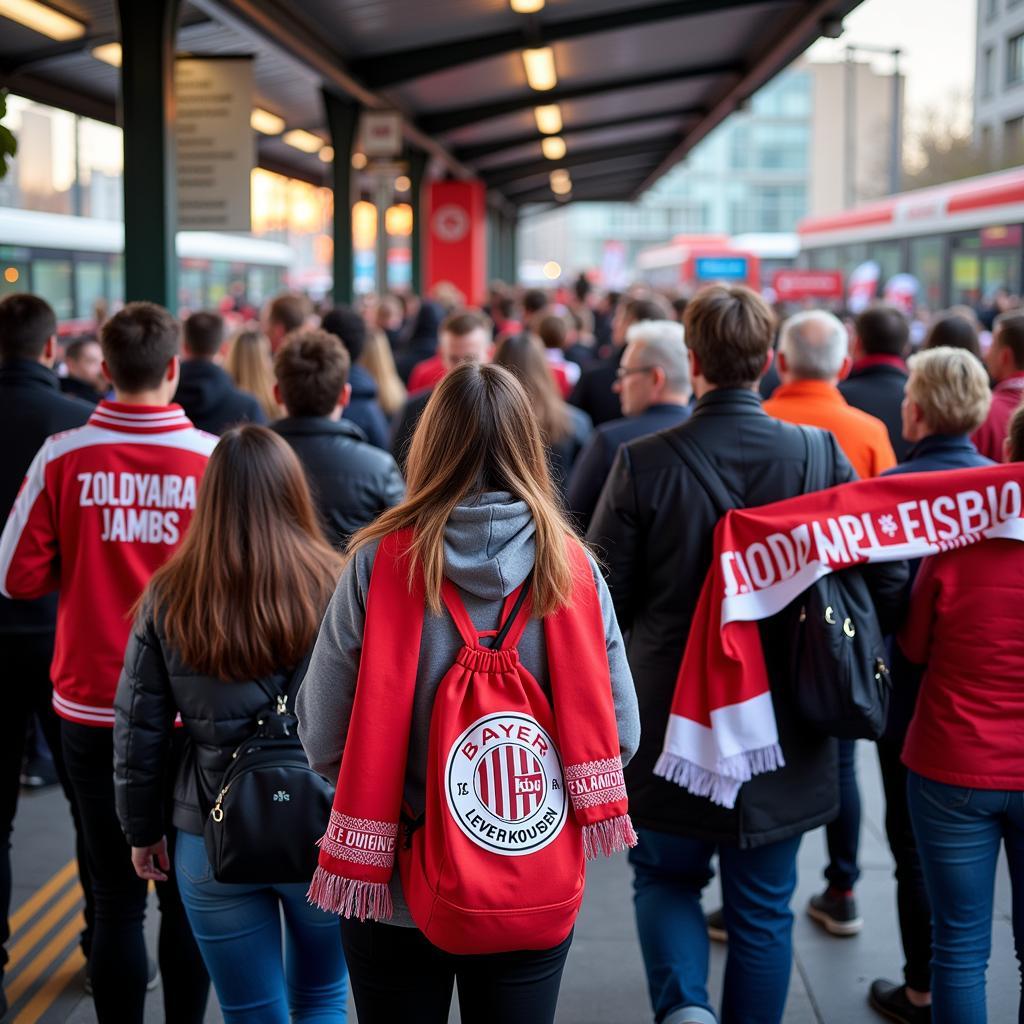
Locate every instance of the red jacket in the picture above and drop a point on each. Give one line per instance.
(101, 509)
(426, 374)
(964, 624)
(1006, 396)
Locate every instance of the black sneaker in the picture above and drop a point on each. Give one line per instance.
(836, 912)
(716, 926)
(890, 1000)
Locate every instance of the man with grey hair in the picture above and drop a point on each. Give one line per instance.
(813, 358)
(653, 385)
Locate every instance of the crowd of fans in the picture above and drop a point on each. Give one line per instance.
(200, 501)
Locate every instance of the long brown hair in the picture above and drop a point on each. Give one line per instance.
(378, 361)
(478, 433)
(250, 365)
(243, 596)
(524, 356)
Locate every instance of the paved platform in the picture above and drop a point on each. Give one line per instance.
(604, 981)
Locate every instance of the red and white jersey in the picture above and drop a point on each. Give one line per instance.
(101, 509)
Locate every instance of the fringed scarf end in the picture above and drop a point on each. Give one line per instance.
(608, 837)
(722, 786)
(348, 897)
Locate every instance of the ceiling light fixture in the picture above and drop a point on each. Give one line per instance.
(526, 6)
(266, 123)
(299, 138)
(359, 161)
(553, 147)
(326, 154)
(42, 19)
(539, 66)
(109, 53)
(561, 183)
(548, 118)
(403, 183)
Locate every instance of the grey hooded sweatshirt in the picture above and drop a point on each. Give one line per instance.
(489, 550)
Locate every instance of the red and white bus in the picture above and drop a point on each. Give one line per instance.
(962, 241)
(690, 261)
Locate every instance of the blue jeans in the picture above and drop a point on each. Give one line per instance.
(959, 832)
(757, 885)
(238, 928)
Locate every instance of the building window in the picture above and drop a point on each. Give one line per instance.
(987, 71)
(1015, 60)
(992, 9)
(1013, 139)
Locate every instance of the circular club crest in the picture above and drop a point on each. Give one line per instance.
(451, 223)
(504, 785)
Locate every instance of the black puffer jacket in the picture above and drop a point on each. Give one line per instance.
(155, 686)
(352, 481)
(654, 524)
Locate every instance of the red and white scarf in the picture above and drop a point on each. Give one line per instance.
(722, 730)
(357, 852)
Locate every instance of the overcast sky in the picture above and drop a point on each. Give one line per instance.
(936, 37)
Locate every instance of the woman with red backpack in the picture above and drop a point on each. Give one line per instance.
(470, 692)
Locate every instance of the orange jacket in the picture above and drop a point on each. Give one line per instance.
(816, 403)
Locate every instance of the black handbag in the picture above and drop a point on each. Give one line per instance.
(271, 807)
(839, 680)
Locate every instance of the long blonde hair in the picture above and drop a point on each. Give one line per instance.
(249, 363)
(478, 433)
(378, 361)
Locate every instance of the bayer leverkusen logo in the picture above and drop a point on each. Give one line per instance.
(505, 786)
(451, 223)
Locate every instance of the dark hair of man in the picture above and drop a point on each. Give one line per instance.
(505, 306)
(74, 350)
(647, 309)
(463, 322)
(882, 331)
(730, 330)
(679, 306)
(552, 331)
(345, 323)
(26, 323)
(953, 331)
(534, 300)
(203, 335)
(311, 368)
(289, 311)
(1009, 329)
(138, 342)
(581, 288)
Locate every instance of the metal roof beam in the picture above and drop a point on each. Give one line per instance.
(482, 149)
(447, 120)
(797, 36)
(387, 69)
(507, 175)
(619, 183)
(280, 27)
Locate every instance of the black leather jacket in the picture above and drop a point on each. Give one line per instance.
(217, 716)
(352, 481)
(653, 526)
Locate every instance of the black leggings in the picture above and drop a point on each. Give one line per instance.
(397, 975)
(117, 966)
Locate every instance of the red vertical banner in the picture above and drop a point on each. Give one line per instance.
(456, 237)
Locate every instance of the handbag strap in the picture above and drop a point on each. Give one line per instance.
(701, 467)
(283, 695)
(817, 474)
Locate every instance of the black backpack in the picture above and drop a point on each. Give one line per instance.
(271, 807)
(839, 679)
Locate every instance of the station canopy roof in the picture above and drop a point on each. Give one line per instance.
(637, 83)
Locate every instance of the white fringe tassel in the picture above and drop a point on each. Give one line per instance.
(608, 837)
(722, 786)
(349, 898)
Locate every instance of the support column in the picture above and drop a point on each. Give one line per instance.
(147, 118)
(493, 244)
(342, 123)
(513, 248)
(417, 173)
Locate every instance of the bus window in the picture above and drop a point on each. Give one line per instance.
(14, 270)
(51, 279)
(926, 266)
(90, 286)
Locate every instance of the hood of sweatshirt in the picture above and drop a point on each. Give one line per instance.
(489, 545)
(202, 387)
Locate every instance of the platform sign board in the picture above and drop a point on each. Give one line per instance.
(215, 143)
(456, 214)
(800, 285)
(380, 133)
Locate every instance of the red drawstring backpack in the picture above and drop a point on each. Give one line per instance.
(520, 788)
